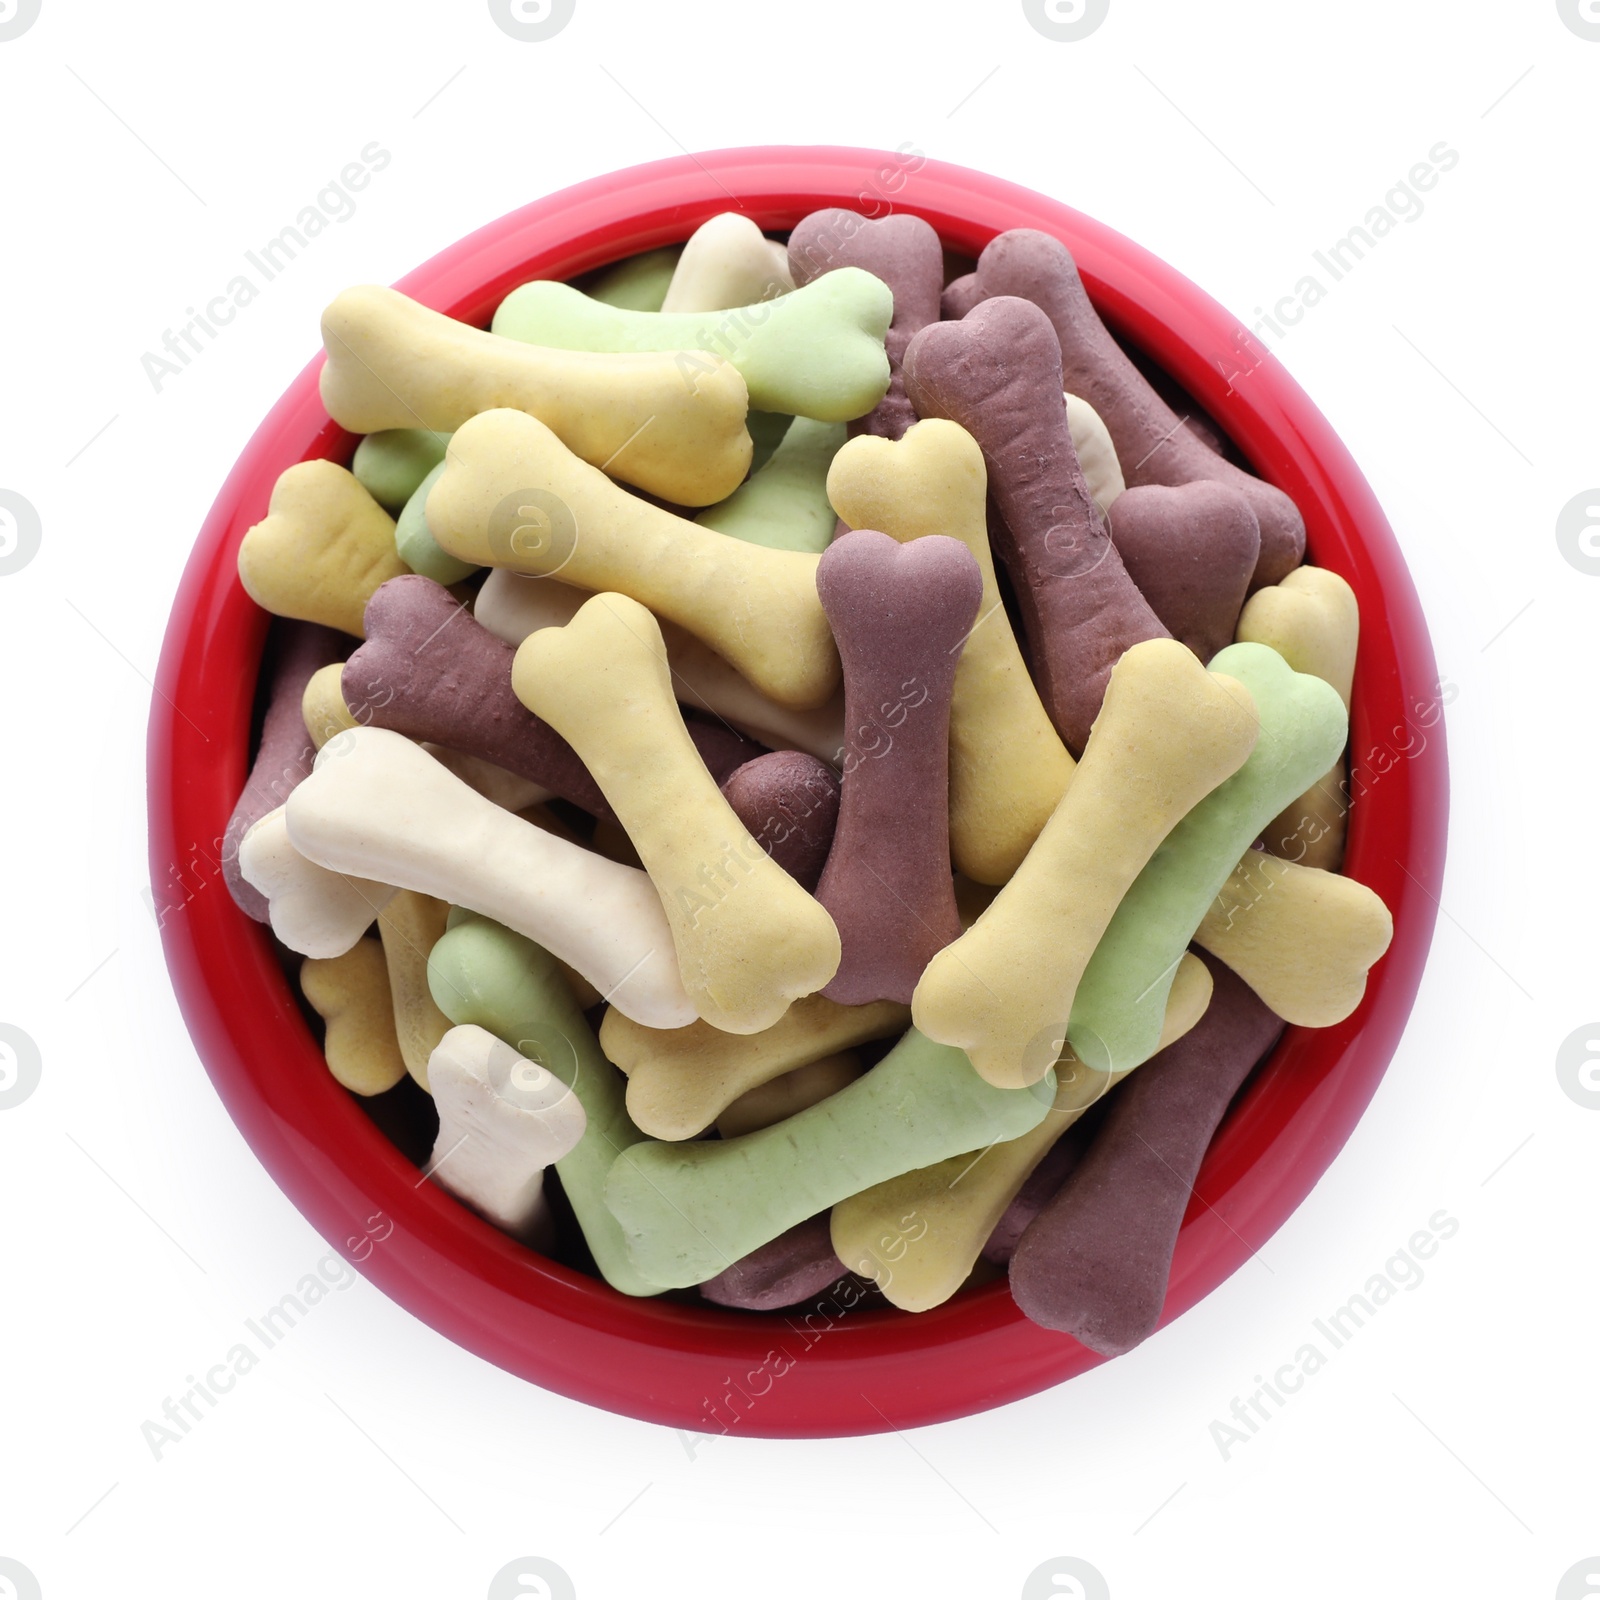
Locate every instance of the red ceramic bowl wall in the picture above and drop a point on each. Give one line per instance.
(708, 1368)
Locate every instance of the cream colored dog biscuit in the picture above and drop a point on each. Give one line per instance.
(512, 606)
(350, 992)
(313, 911)
(957, 1203)
(680, 1081)
(410, 925)
(1301, 938)
(502, 1120)
(513, 495)
(727, 262)
(377, 805)
(322, 550)
(1167, 734)
(395, 364)
(1312, 620)
(1097, 455)
(749, 939)
(1008, 766)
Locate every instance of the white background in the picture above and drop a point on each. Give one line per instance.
(1447, 1449)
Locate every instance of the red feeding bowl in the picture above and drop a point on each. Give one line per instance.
(703, 1367)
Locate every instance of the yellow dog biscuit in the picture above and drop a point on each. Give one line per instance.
(680, 1080)
(1302, 938)
(672, 423)
(1167, 734)
(512, 495)
(351, 995)
(323, 548)
(771, 1102)
(410, 925)
(1008, 766)
(749, 939)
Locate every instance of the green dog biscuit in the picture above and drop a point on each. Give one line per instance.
(390, 465)
(689, 1211)
(637, 283)
(784, 505)
(481, 972)
(417, 547)
(817, 352)
(1122, 997)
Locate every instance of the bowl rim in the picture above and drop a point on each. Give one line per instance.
(707, 1369)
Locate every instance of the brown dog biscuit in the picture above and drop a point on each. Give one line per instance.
(904, 252)
(900, 614)
(429, 671)
(285, 752)
(789, 802)
(959, 297)
(723, 748)
(1192, 551)
(997, 372)
(1095, 1262)
(1153, 445)
(793, 1267)
(1040, 1186)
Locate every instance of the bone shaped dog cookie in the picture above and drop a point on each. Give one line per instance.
(1152, 443)
(798, 1265)
(284, 752)
(792, 1092)
(484, 974)
(727, 261)
(1116, 1016)
(1168, 734)
(410, 925)
(998, 373)
(513, 495)
(817, 352)
(511, 606)
(1097, 456)
(502, 1120)
(350, 992)
(313, 911)
(681, 1080)
(958, 1202)
(1302, 938)
(1312, 620)
(1192, 551)
(395, 364)
(902, 251)
(1008, 766)
(391, 464)
(429, 671)
(749, 939)
(789, 803)
(690, 1210)
(784, 504)
(444, 839)
(323, 548)
(901, 613)
(1095, 1261)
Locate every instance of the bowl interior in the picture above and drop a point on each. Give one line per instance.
(836, 1367)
